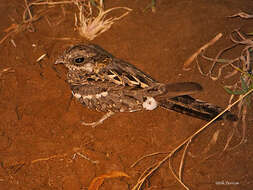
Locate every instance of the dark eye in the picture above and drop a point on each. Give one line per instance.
(79, 60)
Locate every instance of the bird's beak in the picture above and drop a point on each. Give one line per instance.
(60, 60)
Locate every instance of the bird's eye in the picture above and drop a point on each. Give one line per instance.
(79, 60)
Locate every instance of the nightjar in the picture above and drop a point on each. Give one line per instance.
(107, 84)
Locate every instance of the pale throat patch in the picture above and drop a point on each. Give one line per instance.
(86, 67)
(150, 103)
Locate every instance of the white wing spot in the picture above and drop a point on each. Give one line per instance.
(87, 97)
(98, 96)
(104, 94)
(76, 95)
(149, 104)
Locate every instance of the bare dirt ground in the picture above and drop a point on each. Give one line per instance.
(41, 139)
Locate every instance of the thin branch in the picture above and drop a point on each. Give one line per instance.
(188, 62)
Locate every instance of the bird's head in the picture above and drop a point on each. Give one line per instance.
(80, 58)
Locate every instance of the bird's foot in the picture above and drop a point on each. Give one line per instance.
(100, 121)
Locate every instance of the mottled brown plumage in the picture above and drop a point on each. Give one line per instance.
(104, 83)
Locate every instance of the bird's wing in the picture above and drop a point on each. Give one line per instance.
(127, 75)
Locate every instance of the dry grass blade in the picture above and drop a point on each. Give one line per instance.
(9, 69)
(244, 127)
(242, 15)
(229, 138)
(185, 142)
(212, 141)
(90, 26)
(98, 181)
(46, 159)
(26, 24)
(145, 156)
(41, 2)
(152, 170)
(41, 57)
(242, 66)
(193, 57)
(86, 158)
(215, 61)
(180, 171)
(152, 6)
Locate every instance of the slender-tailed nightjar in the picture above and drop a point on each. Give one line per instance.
(107, 84)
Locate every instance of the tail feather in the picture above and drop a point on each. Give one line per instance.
(195, 108)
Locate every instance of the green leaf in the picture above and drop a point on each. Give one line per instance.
(251, 33)
(251, 85)
(93, 3)
(234, 92)
(244, 85)
(248, 101)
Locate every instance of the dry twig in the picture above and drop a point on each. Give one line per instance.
(242, 15)
(146, 156)
(26, 24)
(9, 69)
(188, 62)
(156, 166)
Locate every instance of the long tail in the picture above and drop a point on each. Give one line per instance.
(196, 108)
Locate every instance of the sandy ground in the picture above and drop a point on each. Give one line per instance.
(41, 138)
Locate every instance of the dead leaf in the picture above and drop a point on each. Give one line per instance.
(98, 181)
